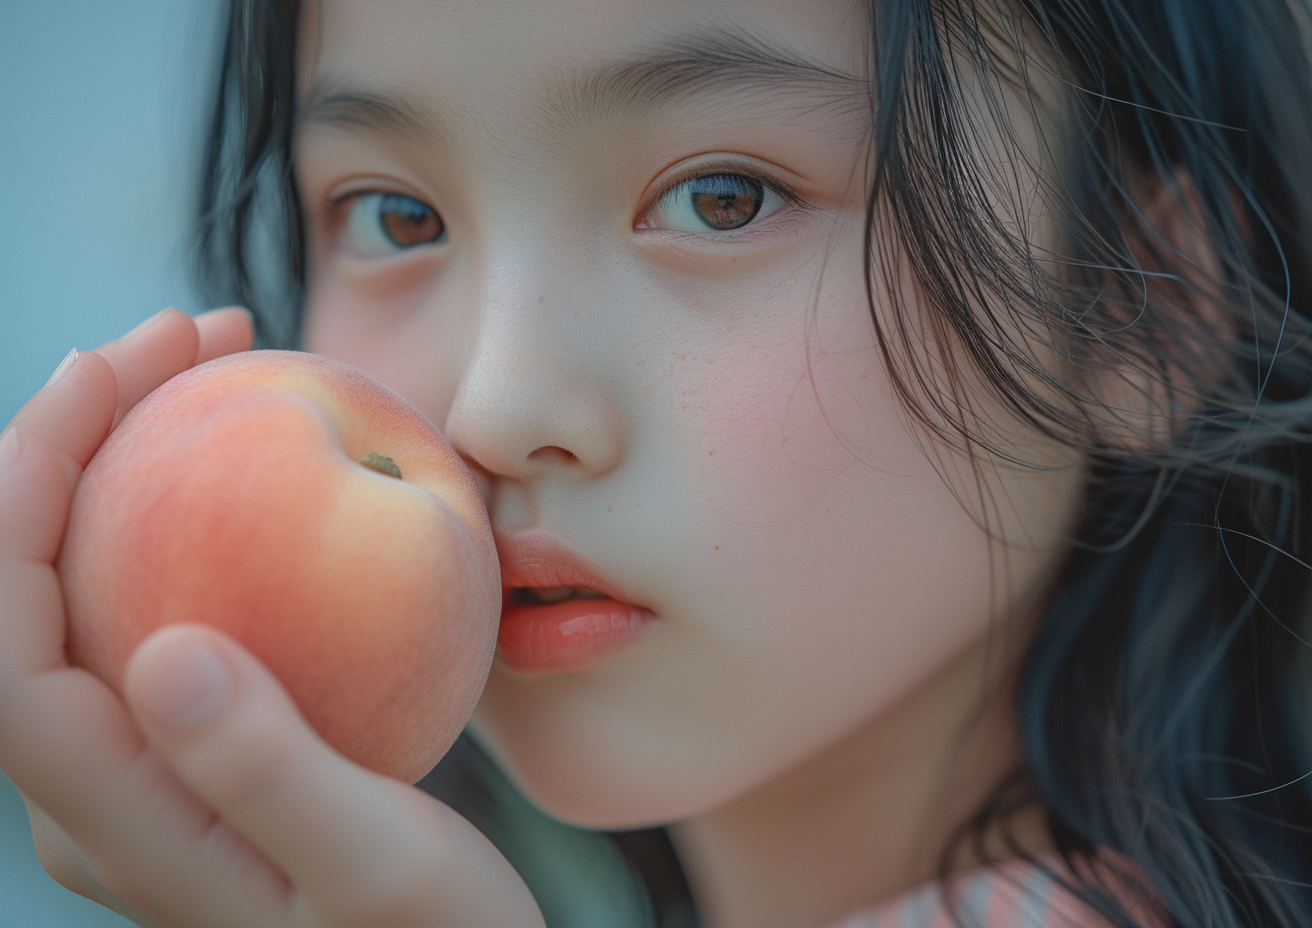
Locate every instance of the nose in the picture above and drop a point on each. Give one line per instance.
(535, 401)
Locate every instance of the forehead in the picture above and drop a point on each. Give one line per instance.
(577, 59)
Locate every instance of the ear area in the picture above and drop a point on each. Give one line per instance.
(1169, 332)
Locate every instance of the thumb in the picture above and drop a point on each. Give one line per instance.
(353, 843)
(177, 679)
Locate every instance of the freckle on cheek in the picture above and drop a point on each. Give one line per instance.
(785, 443)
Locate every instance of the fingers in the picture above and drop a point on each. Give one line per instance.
(41, 455)
(235, 737)
(223, 331)
(130, 835)
(69, 744)
(163, 345)
(73, 412)
(359, 848)
(168, 343)
(69, 411)
(233, 793)
(66, 740)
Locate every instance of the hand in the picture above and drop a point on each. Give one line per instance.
(157, 808)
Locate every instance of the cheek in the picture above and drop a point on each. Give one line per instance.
(780, 404)
(778, 423)
(827, 563)
(416, 353)
(816, 501)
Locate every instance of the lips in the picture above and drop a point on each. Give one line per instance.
(559, 615)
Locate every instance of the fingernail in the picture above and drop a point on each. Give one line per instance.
(8, 448)
(69, 360)
(188, 686)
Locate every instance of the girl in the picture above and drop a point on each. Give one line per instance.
(920, 391)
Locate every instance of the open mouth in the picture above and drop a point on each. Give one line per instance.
(548, 596)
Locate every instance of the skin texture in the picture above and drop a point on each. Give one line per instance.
(373, 599)
(703, 417)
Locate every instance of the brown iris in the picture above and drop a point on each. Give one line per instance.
(406, 221)
(726, 201)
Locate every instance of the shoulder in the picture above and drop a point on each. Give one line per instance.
(1016, 894)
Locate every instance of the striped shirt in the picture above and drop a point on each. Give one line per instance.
(1015, 894)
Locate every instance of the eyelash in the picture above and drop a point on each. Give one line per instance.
(789, 196)
(342, 210)
(341, 207)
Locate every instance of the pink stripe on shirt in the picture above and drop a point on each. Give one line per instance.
(1015, 894)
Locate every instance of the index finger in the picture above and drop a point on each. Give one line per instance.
(163, 345)
(223, 331)
(71, 414)
(167, 344)
(66, 739)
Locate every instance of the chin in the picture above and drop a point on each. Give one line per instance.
(577, 774)
(589, 790)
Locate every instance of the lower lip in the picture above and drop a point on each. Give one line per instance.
(569, 636)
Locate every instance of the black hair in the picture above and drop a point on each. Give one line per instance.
(249, 236)
(1164, 701)
(1162, 151)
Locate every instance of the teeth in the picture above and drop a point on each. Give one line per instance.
(556, 594)
(546, 596)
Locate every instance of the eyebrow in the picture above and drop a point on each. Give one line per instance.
(390, 113)
(698, 65)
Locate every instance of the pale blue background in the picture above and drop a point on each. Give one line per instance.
(100, 109)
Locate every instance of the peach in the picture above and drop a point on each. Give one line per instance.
(319, 519)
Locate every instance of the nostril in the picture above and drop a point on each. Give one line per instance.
(553, 451)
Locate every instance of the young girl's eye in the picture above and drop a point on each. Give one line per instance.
(385, 223)
(716, 203)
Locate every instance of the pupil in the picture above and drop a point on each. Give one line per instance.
(726, 201)
(406, 221)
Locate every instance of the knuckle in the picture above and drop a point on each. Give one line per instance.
(408, 911)
(401, 897)
(245, 764)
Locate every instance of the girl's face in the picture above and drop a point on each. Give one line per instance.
(615, 250)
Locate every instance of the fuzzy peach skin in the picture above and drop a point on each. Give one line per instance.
(232, 496)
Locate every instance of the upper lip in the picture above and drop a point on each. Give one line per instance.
(538, 560)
